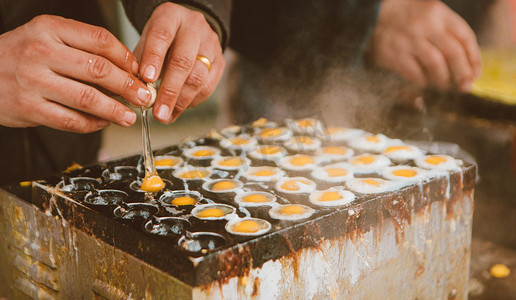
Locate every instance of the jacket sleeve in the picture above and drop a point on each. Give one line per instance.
(216, 12)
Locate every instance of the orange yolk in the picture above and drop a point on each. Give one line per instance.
(180, 201)
(256, 198)
(152, 184)
(223, 186)
(203, 153)
(211, 213)
(292, 185)
(371, 182)
(239, 141)
(292, 210)
(335, 150)
(363, 160)
(335, 172)
(304, 140)
(231, 162)
(330, 196)
(165, 162)
(334, 130)
(260, 122)
(301, 161)
(373, 139)
(435, 160)
(264, 173)
(396, 148)
(404, 173)
(266, 150)
(194, 174)
(270, 132)
(247, 226)
(305, 123)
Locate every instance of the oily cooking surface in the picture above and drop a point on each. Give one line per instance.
(210, 192)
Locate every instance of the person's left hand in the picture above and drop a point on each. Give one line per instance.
(169, 47)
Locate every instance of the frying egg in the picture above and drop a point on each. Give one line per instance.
(331, 197)
(291, 212)
(239, 142)
(201, 152)
(274, 134)
(295, 185)
(372, 143)
(255, 198)
(262, 122)
(264, 174)
(152, 184)
(368, 163)
(402, 152)
(404, 173)
(222, 185)
(307, 126)
(336, 173)
(230, 162)
(438, 162)
(248, 226)
(268, 152)
(192, 173)
(231, 131)
(370, 185)
(212, 211)
(303, 143)
(180, 198)
(342, 134)
(298, 162)
(334, 153)
(167, 162)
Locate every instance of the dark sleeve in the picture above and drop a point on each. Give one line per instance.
(217, 13)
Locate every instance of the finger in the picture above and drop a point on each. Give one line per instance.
(99, 41)
(100, 71)
(179, 66)
(434, 64)
(87, 99)
(59, 117)
(217, 68)
(411, 70)
(461, 70)
(466, 36)
(157, 37)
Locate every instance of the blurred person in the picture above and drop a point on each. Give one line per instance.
(60, 67)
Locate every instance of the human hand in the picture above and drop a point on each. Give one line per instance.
(426, 43)
(169, 45)
(48, 68)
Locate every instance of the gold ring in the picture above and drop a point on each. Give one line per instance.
(204, 60)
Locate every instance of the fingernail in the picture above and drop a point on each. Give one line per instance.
(135, 68)
(149, 73)
(163, 113)
(144, 96)
(129, 118)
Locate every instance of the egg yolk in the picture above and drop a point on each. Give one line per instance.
(302, 160)
(373, 139)
(304, 140)
(270, 132)
(330, 196)
(256, 198)
(152, 184)
(363, 160)
(335, 150)
(194, 174)
(392, 149)
(165, 162)
(185, 200)
(266, 150)
(211, 213)
(264, 173)
(371, 182)
(239, 141)
(293, 185)
(292, 210)
(305, 123)
(260, 122)
(231, 162)
(223, 186)
(404, 173)
(203, 153)
(335, 172)
(334, 130)
(435, 160)
(248, 226)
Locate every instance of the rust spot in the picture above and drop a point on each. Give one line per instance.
(399, 213)
(256, 287)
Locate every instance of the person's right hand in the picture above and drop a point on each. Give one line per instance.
(49, 68)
